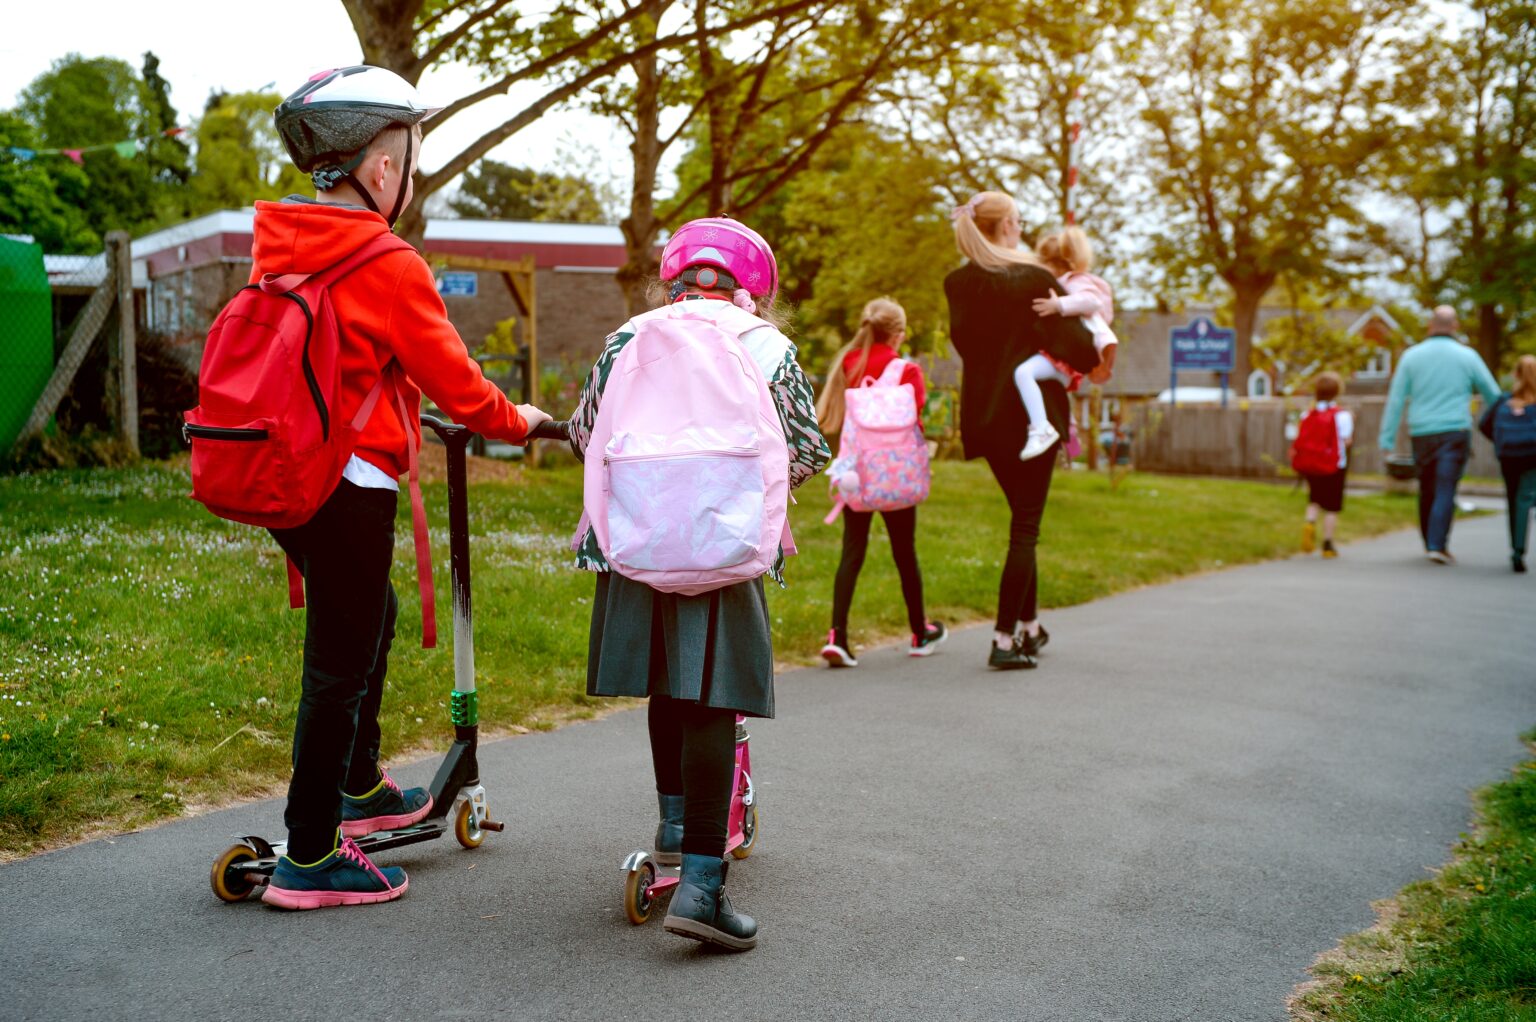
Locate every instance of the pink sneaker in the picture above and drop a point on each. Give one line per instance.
(386, 807)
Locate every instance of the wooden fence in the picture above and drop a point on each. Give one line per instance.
(1253, 438)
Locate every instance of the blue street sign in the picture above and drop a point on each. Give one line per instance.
(458, 285)
(1202, 345)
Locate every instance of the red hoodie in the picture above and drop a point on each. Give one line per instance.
(880, 356)
(389, 308)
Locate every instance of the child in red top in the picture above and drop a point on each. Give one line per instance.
(357, 131)
(878, 341)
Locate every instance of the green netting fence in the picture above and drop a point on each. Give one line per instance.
(26, 334)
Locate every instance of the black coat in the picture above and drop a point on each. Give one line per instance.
(993, 326)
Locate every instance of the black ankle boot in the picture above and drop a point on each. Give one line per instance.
(701, 911)
(669, 832)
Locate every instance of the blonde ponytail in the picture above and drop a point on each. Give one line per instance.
(883, 320)
(1525, 380)
(976, 225)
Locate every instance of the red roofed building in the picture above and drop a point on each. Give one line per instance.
(192, 269)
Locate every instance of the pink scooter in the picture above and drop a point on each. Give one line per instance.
(645, 883)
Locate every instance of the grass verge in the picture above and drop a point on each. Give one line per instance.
(148, 665)
(1460, 946)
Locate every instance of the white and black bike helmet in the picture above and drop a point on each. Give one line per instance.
(327, 124)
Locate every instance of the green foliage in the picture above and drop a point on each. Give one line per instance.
(82, 102)
(499, 191)
(42, 198)
(239, 156)
(865, 220)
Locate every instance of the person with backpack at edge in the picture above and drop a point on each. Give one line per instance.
(869, 359)
(701, 658)
(357, 131)
(1510, 422)
(1320, 455)
(1437, 377)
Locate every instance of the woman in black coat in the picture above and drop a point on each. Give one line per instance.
(993, 326)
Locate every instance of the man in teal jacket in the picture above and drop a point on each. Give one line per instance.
(1437, 377)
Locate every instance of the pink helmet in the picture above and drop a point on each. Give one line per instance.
(725, 244)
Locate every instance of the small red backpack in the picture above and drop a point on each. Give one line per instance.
(1316, 450)
(267, 447)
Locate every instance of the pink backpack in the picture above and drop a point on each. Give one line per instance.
(882, 458)
(687, 468)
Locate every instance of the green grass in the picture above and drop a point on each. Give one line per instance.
(149, 666)
(1461, 946)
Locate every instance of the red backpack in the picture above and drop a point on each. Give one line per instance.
(1316, 450)
(267, 448)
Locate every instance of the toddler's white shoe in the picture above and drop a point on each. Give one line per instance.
(1039, 441)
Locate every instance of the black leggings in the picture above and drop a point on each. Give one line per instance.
(1026, 485)
(693, 749)
(344, 552)
(902, 528)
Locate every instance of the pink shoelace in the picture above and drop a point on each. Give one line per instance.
(384, 774)
(349, 850)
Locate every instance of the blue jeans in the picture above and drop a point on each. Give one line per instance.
(1440, 458)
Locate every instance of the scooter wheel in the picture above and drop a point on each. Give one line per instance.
(748, 833)
(638, 904)
(464, 828)
(228, 887)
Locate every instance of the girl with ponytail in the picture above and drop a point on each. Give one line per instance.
(882, 328)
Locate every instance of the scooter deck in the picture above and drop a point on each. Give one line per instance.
(257, 872)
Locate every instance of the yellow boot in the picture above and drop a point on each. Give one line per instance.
(1308, 537)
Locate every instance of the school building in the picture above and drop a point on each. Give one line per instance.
(188, 272)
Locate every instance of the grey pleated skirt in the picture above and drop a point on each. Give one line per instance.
(713, 649)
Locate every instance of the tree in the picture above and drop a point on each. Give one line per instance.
(43, 198)
(1001, 111)
(866, 219)
(570, 48)
(1265, 116)
(239, 156)
(500, 191)
(1480, 121)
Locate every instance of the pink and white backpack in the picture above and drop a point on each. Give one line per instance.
(687, 468)
(882, 457)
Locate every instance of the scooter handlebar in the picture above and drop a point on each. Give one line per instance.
(554, 429)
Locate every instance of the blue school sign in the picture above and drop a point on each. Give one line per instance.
(458, 285)
(1201, 345)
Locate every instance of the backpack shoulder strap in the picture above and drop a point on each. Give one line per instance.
(276, 284)
(891, 376)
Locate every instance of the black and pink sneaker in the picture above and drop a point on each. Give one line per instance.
(838, 652)
(933, 634)
(386, 807)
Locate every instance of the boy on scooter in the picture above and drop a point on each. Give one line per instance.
(357, 131)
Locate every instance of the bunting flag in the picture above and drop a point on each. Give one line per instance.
(126, 149)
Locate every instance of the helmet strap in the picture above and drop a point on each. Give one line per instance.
(329, 177)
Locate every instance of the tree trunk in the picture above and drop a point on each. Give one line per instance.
(640, 225)
(1247, 293)
(386, 30)
(1490, 335)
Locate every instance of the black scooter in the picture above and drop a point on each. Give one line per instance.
(246, 867)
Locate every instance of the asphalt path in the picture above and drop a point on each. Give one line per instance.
(1204, 785)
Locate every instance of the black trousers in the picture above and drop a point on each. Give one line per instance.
(1026, 485)
(902, 529)
(693, 750)
(345, 553)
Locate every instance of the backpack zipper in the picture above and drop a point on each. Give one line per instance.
(188, 431)
(729, 452)
(309, 370)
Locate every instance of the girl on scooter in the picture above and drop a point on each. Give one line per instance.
(701, 659)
